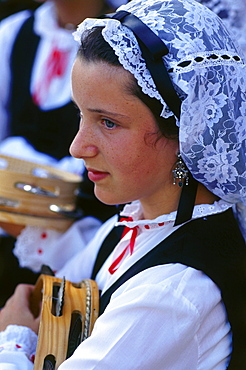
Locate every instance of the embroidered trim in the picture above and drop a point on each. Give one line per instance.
(18, 338)
(134, 210)
(205, 60)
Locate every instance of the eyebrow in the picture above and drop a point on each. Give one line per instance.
(101, 111)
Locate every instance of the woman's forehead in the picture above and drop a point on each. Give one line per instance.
(100, 88)
(100, 76)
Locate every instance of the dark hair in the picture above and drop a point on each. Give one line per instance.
(94, 48)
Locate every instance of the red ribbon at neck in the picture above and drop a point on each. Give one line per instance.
(114, 266)
(56, 66)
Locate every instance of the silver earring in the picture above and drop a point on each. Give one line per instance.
(180, 173)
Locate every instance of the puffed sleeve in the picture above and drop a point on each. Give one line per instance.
(17, 348)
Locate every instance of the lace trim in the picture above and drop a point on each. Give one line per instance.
(18, 338)
(33, 245)
(202, 210)
(206, 60)
(132, 61)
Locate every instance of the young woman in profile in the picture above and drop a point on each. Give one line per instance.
(160, 87)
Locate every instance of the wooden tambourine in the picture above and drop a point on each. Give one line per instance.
(77, 308)
(37, 195)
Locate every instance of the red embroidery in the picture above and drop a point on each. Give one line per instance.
(17, 346)
(32, 358)
(130, 247)
(56, 66)
(40, 251)
(43, 235)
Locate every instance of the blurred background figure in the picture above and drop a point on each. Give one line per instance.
(38, 119)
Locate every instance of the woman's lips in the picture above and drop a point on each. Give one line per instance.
(95, 175)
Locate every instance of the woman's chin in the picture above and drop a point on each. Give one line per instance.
(104, 197)
(107, 197)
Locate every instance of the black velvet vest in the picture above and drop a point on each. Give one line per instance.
(213, 245)
(52, 131)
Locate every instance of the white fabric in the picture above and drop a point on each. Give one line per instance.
(52, 37)
(212, 127)
(147, 239)
(73, 271)
(19, 348)
(18, 144)
(152, 236)
(36, 246)
(146, 332)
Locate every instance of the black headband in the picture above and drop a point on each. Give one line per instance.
(153, 49)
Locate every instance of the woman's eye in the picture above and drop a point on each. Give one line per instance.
(108, 123)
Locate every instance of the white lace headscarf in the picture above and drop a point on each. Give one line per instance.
(233, 14)
(205, 64)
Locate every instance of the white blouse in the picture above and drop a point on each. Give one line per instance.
(166, 317)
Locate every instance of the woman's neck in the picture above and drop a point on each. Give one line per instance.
(72, 12)
(168, 202)
(163, 202)
(204, 196)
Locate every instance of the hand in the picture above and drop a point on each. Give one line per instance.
(17, 309)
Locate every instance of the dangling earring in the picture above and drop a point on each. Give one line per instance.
(180, 172)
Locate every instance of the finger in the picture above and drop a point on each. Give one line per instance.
(23, 292)
(20, 298)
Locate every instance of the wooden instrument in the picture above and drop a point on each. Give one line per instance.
(37, 195)
(68, 314)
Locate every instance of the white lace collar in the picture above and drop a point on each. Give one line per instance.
(134, 210)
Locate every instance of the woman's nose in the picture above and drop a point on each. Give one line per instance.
(83, 144)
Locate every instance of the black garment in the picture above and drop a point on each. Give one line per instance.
(211, 244)
(51, 131)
